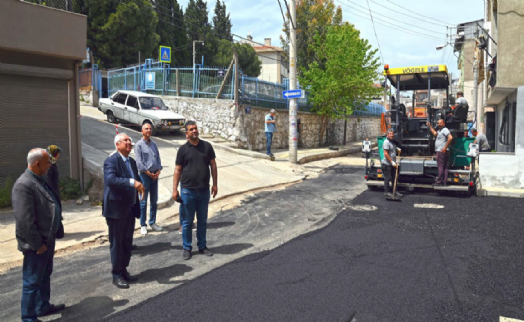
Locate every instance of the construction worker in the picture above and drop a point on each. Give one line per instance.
(482, 140)
(389, 163)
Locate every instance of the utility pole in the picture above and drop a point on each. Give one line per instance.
(476, 91)
(293, 135)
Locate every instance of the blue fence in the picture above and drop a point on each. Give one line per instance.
(205, 82)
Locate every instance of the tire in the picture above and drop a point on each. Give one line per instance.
(110, 117)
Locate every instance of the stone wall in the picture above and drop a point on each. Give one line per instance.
(245, 126)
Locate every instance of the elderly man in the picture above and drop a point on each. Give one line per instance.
(38, 214)
(442, 143)
(149, 167)
(122, 184)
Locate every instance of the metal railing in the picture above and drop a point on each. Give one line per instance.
(66, 5)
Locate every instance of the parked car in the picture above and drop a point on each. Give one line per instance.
(137, 108)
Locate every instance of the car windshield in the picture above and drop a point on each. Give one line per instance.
(152, 103)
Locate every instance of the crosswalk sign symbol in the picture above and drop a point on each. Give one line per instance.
(165, 54)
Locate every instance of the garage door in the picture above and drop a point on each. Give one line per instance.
(33, 113)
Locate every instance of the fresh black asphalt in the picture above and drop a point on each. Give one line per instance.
(396, 263)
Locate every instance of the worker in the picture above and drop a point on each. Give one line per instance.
(461, 101)
(482, 140)
(389, 163)
(442, 143)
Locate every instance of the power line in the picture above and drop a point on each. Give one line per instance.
(447, 23)
(380, 49)
(378, 13)
(398, 28)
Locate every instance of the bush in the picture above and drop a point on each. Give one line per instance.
(5, 192)
(69, 188)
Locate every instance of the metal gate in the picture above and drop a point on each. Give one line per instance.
(33, 113)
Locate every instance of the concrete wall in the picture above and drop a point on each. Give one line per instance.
(506, 170)
(510, 20)
(222, 119)
(42, 30)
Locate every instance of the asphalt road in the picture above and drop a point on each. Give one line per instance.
(454, 259)
(261, 223)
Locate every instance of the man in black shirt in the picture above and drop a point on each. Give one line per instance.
(193, 161)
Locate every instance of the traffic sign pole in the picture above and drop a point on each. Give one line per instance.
(293, 134)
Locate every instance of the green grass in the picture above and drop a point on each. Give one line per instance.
(5, 192)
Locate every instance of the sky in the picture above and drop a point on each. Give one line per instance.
(400, 47)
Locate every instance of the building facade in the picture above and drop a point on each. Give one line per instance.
(40, 51)
(274, 67)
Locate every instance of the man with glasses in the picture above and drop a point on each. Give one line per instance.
(123, 191)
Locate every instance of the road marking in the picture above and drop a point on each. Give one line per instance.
(429, 205)
(504, 319)
(362, 207)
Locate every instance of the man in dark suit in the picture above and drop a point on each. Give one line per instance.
(38, 214)
(122, 186)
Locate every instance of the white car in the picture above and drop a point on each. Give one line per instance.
(138, 108)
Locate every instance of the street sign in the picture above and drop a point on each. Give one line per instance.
(88, 59)
(150, 80)
(165, 54)
(293, 93)
(221, 73)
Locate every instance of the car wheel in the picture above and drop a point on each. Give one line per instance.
(110, 117)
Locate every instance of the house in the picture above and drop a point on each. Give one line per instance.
(503, 94)
(274, 65)
(41, 49)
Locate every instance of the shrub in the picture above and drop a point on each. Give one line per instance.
(69, 188)
(5, 192)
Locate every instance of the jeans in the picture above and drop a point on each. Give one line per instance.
(36, 286)
(269, 139)
(151, 187)
(442, 164)
(194, 200)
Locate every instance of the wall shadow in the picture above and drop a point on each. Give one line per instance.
(91, 309)
(163, 275)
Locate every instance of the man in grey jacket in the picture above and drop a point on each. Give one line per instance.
(38, 214)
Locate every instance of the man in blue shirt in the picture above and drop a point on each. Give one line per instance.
(270, 128)
(149, 167)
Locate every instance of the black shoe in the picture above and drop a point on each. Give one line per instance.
(205, 251)
(129, 278)
(187, 254)
(52, 309)
(134, 247)
(120, 282)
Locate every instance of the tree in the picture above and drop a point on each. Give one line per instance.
(172, 31)
(222, 22)
(196, 18)
(343, 82)
(247, 58)
(132, 28)
(314, 17)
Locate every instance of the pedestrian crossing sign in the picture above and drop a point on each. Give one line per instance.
(165, 54)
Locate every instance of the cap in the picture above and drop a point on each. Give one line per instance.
(272, 111)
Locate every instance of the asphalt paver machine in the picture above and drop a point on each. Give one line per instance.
(418, 167)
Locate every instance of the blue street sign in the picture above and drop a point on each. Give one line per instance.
(164, 54)
(150, 80)
(293, 93)
(221, 73)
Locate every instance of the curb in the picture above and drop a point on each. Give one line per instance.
(499, 193)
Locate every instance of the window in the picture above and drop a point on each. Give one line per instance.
(132, 101)
(152, 103)
(121, 98)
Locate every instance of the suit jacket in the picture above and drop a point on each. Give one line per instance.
(34, 211)
(118, 194)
